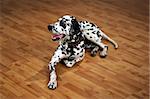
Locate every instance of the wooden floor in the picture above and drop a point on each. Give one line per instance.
(26, 48)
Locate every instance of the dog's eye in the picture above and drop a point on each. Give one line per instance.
(62, 24)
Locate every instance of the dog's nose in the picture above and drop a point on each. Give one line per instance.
(50, 27)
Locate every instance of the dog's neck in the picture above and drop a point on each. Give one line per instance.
(73, 40)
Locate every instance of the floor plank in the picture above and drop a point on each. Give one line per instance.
(26, 48)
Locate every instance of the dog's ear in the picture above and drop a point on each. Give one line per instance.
(75, 25)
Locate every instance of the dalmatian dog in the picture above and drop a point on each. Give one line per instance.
(74, 37)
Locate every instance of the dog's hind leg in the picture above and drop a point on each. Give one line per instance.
(96, 40)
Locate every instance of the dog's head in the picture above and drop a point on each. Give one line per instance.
(64, 27)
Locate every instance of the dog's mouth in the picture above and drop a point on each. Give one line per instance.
(57, 37)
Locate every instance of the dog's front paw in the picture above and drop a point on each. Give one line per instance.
(52, 84)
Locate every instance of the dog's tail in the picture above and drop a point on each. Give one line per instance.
(110, 40)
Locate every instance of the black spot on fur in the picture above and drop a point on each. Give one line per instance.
(82, 50)
(93, 32)
(81, 56)
(59, 58)
(71, 17)
(64, 43)
(63, 53)
(92, 24)
(71, 58)
(62, 48)
(90, 29)
(52, 68)
(67, 19)
(77, 48)
(83, 22)
(75, 26)
(98, 33)
(82, 45)
(67, 24)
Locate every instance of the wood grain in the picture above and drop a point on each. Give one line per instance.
(26, 48)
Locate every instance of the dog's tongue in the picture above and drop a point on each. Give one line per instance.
(57, 36)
